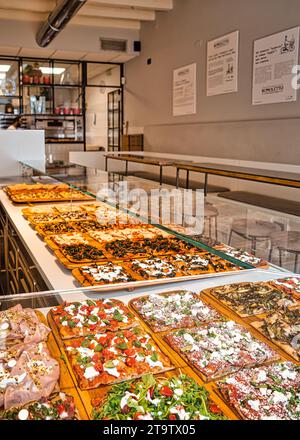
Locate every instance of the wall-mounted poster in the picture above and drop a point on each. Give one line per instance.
(274, 58)
(184, 90)
(222, 64)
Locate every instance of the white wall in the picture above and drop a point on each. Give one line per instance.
(225, 126)
(20, 145)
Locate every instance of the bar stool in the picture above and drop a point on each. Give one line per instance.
(253, 230)
(286, 241)
(211, 215)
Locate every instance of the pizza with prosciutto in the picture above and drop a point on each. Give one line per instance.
(264, 393)
(220, 348)
(167, 311)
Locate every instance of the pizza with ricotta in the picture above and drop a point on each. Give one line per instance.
(107, 358)
(201, 263)
(154, 268)
(220, 348)
(180, 309)
(248, 299)
(157, 398)
(264, 393)
(98, 275)
(91, 316)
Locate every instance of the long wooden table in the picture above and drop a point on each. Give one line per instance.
(144, 160)
(253, 174)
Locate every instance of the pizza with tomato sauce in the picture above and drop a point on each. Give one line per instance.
(88, 317)
(107, 358)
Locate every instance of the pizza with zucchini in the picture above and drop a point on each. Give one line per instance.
(219, 348)
(104, 359)
(157, 398)
(283, 328)
(180, 309)
(91, 316)
(248, 299)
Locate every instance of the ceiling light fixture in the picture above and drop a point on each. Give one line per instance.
(54, 70)
(4, 67)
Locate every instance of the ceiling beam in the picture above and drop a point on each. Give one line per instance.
(45, 6)
(158, 5)
(121, 13)
(106, 22)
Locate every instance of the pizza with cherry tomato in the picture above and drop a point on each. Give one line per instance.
(107, 358)
(91, 316)
(157, 398)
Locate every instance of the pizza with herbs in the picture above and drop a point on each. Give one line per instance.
(59, 407)
(81, 254)
(201, 263)
(104, 359)
(219, 349)
(99, 275)
(128, 249)
(72, 216)
(157, 398)
(86, 226)
(264, 393)
(154, 268)
(283, 329)
(40, 219)
(291, 285)
(91, 316)
(180, 309)
(241, 255)
(248, 299)
(55, 228)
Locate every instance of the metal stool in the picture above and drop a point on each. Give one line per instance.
(253, 230)
(287, 241)
(211, 214)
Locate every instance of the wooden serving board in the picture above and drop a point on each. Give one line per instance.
(66, 383)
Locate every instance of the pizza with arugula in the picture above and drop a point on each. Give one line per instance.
(157, 398)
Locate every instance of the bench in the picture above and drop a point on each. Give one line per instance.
(275, 204)
(169, 180)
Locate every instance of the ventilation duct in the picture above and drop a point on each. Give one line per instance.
(113, 45)
(57, 20)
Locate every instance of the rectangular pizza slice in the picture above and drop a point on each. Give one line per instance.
(264, 393)
(98, 275)
(104, 359)
(219, 349)
(91, 316)
(248, 299)
(173, 310)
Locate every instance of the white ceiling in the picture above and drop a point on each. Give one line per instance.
(112, 14)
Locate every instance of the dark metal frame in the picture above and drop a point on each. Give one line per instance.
(82, 69)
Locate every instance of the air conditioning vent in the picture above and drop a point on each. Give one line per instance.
(113, 45)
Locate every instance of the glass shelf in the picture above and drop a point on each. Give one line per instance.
(103, 186)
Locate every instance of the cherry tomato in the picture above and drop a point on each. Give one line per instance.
(129, 352)
(172, 417)
(214, 408)
(130, 362)
(166, 391)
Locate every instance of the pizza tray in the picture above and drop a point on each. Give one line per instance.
(66, 383)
